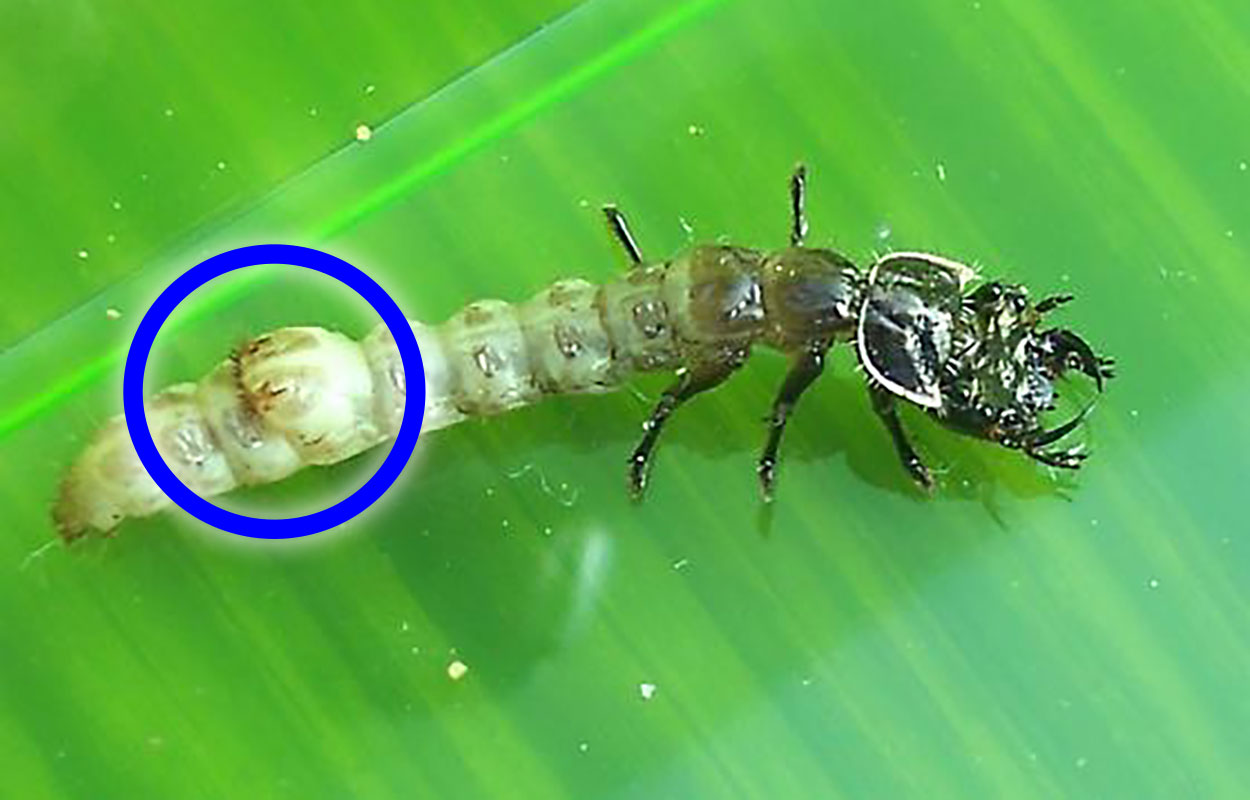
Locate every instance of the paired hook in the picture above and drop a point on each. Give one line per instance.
(1062, 350)
(1070, 458)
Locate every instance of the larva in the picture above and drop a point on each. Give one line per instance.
(975, 361)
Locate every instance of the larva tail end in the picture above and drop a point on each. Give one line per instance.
(69, 525)
(77, 515)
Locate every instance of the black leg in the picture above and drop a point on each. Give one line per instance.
(798, 203)
(704, 373)
(1049, 304)
(805, 369)
(883, 404)
(620, 230)
(1062, 459)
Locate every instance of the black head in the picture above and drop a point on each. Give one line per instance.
(978, 360)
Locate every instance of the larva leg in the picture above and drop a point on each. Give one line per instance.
(1049, 304)
(798, 206)
(883, 404)
(705, 373)
(807, 367)
(619, 227)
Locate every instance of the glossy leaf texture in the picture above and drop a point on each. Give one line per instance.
(1021, 633)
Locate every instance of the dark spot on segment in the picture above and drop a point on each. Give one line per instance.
(568, 340)
(487, 360)
(651, 317)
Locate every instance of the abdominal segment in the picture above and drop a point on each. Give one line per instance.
(308, 396)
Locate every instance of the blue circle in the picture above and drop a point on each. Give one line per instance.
(259, 527)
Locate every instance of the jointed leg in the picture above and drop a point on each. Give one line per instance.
(806, 368)
(620, 229)
(798, 202)
(705, 373)
(1049, 304)
(883, 404)
(1062, 459)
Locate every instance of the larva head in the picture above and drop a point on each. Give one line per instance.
(978, 361)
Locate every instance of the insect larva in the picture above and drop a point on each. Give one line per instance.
(975, 361)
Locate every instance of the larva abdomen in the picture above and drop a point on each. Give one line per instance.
(302, 396)
(292, 397)
(309, 396)
(569, 349)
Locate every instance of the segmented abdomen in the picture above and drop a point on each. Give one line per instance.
(301, 396)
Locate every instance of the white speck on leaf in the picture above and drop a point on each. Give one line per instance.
(363, 133)
(941, 172)
(83, 254)
(457, 670)
(647, 690)
(112, 313)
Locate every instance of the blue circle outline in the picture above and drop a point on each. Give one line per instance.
(259, 527)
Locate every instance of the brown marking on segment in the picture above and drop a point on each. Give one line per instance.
(262, 400)
(563, 293)
(475, 314)
(646, 275)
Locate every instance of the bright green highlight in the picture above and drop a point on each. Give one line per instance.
(1019, 634)
(578, 79)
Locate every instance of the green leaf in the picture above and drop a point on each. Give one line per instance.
(1019, 634)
